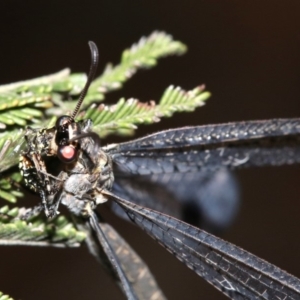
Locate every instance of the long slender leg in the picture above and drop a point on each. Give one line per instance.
(26, 214)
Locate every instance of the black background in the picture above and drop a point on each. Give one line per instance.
(246, 52)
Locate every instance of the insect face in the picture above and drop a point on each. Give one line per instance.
(65, 141)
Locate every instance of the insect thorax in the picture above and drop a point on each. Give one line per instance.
(79, 185)
(84, 183)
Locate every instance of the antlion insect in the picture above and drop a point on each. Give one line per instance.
(92, 175)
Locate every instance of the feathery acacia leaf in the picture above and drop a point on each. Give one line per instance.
(35, 102)
(5, 297)
(38, 232)
(18, 109)
(11, 144)
(40, 81)
(122, 117)
(141, 55)
(9, 187)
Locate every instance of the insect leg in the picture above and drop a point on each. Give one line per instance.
(53, 208)
(26, 214)
(54, 199)
(33, 179)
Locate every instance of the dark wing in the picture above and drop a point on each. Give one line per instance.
(141, 190)
(115, 264)
(192, 149)
(140, 277)
(209, 200)
(234, 271)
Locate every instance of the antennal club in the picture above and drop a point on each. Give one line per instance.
(93, 69)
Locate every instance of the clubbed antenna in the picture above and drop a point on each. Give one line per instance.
(93, 69)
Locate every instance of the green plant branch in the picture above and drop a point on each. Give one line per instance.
(37, 102)
(122, 117)
(141, 55)
(5, 297)
(38, 231)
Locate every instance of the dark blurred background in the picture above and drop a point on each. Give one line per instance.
(246, 52)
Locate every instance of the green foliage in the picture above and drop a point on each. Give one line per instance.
(11, 144)
(37, 102)
(22, 103)
(5, 297)
(9, 186)
(141, 55)
(122, 117)
(38, 231)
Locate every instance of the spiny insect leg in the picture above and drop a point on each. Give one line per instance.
(35, 180)
(53, 207)
(33, 168)
(26, 214)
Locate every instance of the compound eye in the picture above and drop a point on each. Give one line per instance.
(62, 121)
(67, 154)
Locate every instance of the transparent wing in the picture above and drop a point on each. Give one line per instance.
(143, 191)
(140, 277)
(234, 271)
(111, 257)
(209, 200)
(193, 149)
